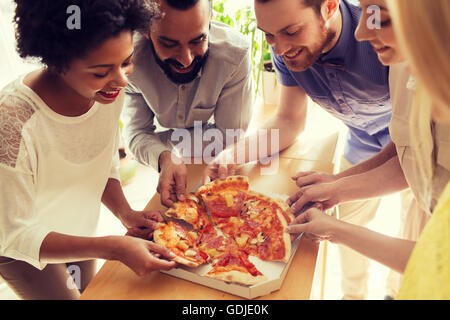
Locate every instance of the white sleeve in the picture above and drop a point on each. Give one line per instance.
(21, 235)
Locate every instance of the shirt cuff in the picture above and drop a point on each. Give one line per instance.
(153, 153)
(28, 247)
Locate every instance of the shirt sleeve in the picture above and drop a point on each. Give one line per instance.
(139, 130)
(234, 106)
(284, 75)
(21, 234)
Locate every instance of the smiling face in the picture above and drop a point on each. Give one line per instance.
(297, 33)
(104, 71)
(180, 40)
(382, 39)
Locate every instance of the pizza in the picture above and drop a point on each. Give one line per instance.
(225, 198)
(229, 224)
(191, 211)
(181, 242)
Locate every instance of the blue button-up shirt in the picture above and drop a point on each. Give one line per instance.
(350, 83)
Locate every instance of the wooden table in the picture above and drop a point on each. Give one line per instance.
(117, 281)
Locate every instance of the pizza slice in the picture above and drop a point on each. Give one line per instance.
(224, 198)
(185, 210)
(181, 242)
(234, 266)
(264, 232)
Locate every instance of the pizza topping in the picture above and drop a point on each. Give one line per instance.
(212, 252)
(203, 255)
(190, 252)
(252, 224)
(193, 235)
(226, 204)
(182, 245)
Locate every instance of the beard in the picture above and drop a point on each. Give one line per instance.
(312, 54)
(176, 77)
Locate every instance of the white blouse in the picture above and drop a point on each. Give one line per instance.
(53, 170)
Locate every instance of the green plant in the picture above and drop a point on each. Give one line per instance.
(244, 20)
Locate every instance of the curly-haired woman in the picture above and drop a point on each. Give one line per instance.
(59, 131)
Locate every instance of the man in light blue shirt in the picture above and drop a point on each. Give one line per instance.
(350, 83)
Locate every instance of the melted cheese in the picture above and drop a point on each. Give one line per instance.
(212, 252)
(191, 214)
(182, 245)
(193, 235)
(190, 253)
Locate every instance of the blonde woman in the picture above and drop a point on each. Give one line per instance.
(430, 178)
(423, 29)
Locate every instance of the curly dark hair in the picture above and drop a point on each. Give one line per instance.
(183, 4)
(42, 30)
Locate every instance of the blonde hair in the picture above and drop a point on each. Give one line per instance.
(422, 28)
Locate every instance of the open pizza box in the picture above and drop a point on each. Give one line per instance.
(275, 271)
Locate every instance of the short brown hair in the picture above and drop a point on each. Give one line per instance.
(315, 4)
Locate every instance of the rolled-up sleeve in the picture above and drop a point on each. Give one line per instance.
(139, 129)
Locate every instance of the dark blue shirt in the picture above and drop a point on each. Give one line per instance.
(350, 83)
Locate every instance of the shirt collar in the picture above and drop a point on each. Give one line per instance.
(336, 56)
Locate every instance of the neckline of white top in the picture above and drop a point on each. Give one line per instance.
(49, 111)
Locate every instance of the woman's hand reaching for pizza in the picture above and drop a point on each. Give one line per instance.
(140, 255)
(141, 224)
(307, 178)
(172, 180)
(315, 224)
(315, 187)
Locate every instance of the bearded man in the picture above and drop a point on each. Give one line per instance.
(316, 55)
(190, 72)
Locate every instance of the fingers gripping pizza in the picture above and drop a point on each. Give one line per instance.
(240, 223)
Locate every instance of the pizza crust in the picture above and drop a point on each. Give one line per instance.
(284, 206)
(238, 277)
(186, 262)
(287, 246)
(286, 238)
